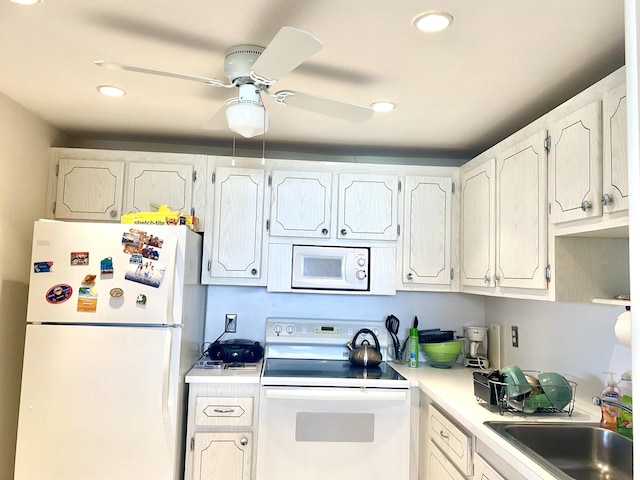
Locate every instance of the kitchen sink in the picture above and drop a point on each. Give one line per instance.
(581, 451)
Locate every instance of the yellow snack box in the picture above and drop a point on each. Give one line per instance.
(164, 216)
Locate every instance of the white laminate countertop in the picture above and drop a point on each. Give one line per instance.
(452, 390)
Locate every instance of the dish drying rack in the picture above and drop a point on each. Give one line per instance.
(490, 388)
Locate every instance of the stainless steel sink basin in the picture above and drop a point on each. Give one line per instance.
(581, 451)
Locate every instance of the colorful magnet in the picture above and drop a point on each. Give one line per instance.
(79, 258)
(89, 280)
(59, 293)
(87, 299)
(141, 299)
(106, 265)
(116, 292)
(42, 267)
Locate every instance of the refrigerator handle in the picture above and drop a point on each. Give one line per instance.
(166, 372)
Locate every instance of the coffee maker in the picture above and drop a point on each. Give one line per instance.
(476, 344)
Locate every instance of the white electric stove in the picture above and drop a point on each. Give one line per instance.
(321, 417)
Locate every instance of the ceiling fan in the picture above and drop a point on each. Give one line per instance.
(254, 70)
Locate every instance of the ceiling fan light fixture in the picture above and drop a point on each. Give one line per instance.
(433, 21)
(383, 106)
(247, 119)
(110, 91)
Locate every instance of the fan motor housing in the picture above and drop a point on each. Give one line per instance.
(238, 62)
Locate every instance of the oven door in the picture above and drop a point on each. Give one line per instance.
(319, 433)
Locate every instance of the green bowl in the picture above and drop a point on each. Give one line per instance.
(442, 354)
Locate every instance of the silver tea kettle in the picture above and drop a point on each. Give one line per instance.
(364, 355)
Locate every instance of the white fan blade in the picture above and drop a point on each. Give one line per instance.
(182, 76)
(288, 49)
(219, 119)
(345, 111)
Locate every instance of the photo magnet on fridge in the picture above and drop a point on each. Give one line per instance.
(42, 267)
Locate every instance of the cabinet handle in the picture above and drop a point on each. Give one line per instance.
(496, 278)
(254, 271)
(444, 435)
(486, 279)
(343, 232)
(113, 213)
(607, 199)
(223, 410)
(409, 276)
(244, 441)
(325, 231)
(585, 205)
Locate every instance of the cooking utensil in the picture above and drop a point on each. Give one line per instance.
(393, 324)
(364, 355)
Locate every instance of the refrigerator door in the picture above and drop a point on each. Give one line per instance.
(72, 281)
(99, 403)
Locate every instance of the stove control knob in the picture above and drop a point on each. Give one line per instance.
(361, 274)
(291, 329)
(277, 329)
(360, 262)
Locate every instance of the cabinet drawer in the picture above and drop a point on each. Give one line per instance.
(454, 442)
(484, 471)
(224, 411)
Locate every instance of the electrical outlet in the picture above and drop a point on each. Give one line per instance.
(515, 339)
(230, 323)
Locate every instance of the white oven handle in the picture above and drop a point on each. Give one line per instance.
(341, 394)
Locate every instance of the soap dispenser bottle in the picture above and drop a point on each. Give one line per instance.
(610, 413)
(625, 418)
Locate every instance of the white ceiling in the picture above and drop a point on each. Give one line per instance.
(500, 65)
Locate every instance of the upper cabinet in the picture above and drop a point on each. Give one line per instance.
(427, 235)
(300, 204)
(615, 184)
(503, 219)
(89, 190)
(348, 206)
(103, 185)
(575, 165)
(233, 244)
(367, 207)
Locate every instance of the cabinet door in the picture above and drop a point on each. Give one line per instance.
(89, 190)
(483, 471)
(427, 230)
(575, 165)
(440, 467)
(521, 214)
(237, 223)
(615, 186)
(477, 224)
(223, 455)
(368, 207)
(150, 185)
(300, 204)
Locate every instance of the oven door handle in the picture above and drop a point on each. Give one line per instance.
(341, 394)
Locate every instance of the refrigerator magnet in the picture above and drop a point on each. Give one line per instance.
(87, 299)
(59, 293)
(141, 299)
(89, 280)
(42, 267)
(116, 292)
(79, 258)
(106, 265)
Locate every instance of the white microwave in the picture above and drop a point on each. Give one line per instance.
(330, 268)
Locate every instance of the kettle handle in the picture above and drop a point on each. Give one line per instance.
(365, 331)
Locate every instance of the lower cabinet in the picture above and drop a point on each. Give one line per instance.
(440, 467)
(483, 471)
(221, 422)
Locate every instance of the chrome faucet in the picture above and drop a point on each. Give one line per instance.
(614, 403)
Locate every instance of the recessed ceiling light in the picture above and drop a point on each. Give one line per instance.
(383, 106)
(26, 2)
(110, 91)
(432, 21)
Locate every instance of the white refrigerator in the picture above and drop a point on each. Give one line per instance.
(115, 320)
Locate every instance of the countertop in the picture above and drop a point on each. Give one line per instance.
(452, 390)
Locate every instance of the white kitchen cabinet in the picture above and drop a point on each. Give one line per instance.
(575, 165)
(483, 471)
(155, 184)
(426, 257)
(225, 455)
(221, 421)
(300, 204)
(367, 207)
(453, 441)
(440, 467)
(233, 243)
(478, 224)
(89, 190)
(504, 221)
(615, 183)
